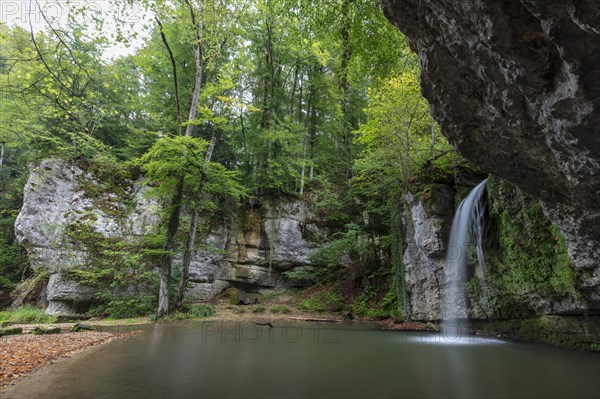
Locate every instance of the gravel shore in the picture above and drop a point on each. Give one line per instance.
(22, 354)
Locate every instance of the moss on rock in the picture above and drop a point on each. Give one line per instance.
(527, 264)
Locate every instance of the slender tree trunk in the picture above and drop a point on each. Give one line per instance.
(198, 57)
(175, 214)
(1, 154)
(303, 167)
(293, 94)
(191, 239)
(312, 130)
(165, 268)
(346, 55)
(175, 79)
(432, 138)
(300, 94)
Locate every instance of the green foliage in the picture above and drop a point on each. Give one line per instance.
(13, 263)
(79, 100)
(323, 301)
(116, 269)
(201, 310)
(258, 309)
(126, 307)
(26, 314)
(354, 246)
(399, 138)
(361, 307)
(194, 311)
(304, 274)
(396, 299)
(281, 309)
(172, 157)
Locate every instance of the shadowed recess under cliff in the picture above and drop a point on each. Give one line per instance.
(523, 101)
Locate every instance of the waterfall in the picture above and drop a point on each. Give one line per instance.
(467, 227)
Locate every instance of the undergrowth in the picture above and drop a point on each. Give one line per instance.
(26, 314)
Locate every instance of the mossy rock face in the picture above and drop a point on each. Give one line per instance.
(575, 332)
(557, 324)
(437, 199)
(527, 266)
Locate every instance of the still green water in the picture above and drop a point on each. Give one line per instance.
(242, 360)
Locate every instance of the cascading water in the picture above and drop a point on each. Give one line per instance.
(467, 227)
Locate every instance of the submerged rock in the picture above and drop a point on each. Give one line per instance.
(11, 331)
(45, 331)
(82, 327)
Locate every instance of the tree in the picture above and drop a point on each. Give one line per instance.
(206, 184)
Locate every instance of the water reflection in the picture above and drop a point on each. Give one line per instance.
(190, 360)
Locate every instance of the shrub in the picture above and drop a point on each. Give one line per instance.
(127, 307)
(26, 314)
(281, 309)
(259, 309)
(361, 307)
(201, 310)
(325, 301)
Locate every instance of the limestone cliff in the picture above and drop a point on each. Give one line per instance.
(250, 250)
(516, 87)
(426, 239)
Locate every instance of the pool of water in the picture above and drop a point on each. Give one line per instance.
(216, 359)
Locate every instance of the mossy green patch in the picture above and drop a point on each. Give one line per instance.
(563, 331)
(527, 260)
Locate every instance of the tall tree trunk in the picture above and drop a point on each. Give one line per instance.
(312, 128)
(303, 167)
(1, 154)
(293, 94)
(175, 79)
(191, 239)
(199, 27)
(346, 55)
(175, 214)
(164, 305)
(300, 98)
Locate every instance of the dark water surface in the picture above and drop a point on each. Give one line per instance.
(241, 360)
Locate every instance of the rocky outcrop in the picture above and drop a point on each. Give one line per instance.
(250, 251)
(55, 199)
(255, 249)
(427, 228)
(516, 87)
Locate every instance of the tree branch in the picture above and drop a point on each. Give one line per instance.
(175, 79)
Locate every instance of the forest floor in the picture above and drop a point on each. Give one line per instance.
(24, 353)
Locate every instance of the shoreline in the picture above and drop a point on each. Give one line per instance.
(24, 355)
